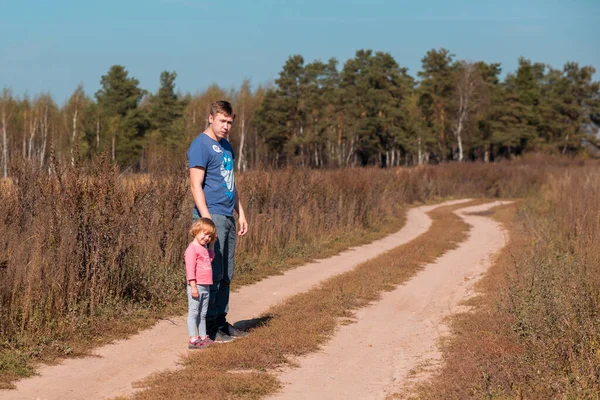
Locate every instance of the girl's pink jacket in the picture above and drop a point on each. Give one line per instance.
(197, 264)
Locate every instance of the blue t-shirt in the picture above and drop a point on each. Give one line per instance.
(217, 160)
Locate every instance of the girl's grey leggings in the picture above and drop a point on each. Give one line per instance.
(197, 310)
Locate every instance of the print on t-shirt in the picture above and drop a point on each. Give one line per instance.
(227, 174)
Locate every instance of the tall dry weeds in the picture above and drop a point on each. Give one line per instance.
(79, 246)
(555, 294)
(84, 248)
(536, 330)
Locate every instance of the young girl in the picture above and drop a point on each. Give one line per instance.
(199, 278)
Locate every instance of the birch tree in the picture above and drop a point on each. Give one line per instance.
(469, 98)
(7, 109)
(47, 114)
(243, 108)
(73, 114)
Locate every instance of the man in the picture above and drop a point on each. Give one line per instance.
(211, 161)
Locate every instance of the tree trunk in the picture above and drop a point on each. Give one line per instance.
(301, 135)
(98, 133)
(24, 149)
(33, 124)
(255, 147)
(420, 151)
(45, 130)
(74, 136)
(241, 159)
(4, 144)
(460, 147)
(564, 150)
(350, 154)
(462, 116)
(339, 149)
(469, 100)
(443, 128)
(463, 110)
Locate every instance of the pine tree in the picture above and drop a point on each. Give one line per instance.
(374, 90)
(281, 119)
(321, 82)
(516, 121)
(482, 147)
(125, 123)
(437, 87)
(569, 103)
(166, 115)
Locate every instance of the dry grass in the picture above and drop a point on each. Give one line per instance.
(303, 322)
(535, 329)
(64, 241)
(89, 250)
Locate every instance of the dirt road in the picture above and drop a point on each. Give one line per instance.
(114, 368)
(372, 358)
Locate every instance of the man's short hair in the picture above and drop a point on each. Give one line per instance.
(221, 107)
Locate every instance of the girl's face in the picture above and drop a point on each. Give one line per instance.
(203, 238)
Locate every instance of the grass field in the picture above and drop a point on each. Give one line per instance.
(108, 248)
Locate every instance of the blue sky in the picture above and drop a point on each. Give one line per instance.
(52, 46)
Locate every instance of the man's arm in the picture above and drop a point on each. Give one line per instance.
(242, 216)
(196, 179)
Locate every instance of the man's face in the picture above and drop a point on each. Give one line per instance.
(221, 125)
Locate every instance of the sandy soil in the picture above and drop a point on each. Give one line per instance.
(113, 369)
(373, 357)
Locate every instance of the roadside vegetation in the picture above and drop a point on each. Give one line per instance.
(89, 255)
(534, 330)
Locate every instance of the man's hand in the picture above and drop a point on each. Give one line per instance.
(243, 226)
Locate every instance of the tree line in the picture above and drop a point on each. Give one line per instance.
(369, 112)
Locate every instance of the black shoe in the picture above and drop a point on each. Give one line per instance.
(211, 328)
(221, 337)
(229, 330)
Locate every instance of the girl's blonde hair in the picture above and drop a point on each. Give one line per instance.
(204, 225)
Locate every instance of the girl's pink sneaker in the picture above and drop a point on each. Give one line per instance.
(200, 343)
